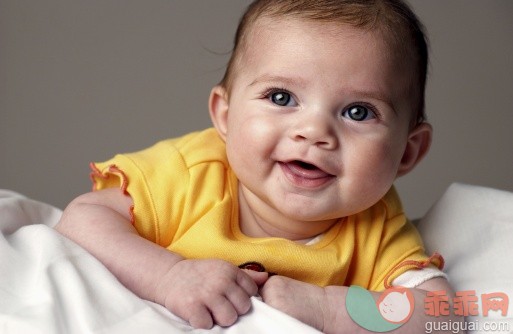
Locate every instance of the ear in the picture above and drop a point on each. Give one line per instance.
(218, 108)
(419, 141)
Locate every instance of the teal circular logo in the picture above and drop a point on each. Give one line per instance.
(393, 308)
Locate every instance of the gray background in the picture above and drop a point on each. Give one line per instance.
(83, 80)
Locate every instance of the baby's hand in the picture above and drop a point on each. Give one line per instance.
(205, 292)
(303, 301)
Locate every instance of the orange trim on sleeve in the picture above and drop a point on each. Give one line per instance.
(435, 259)
(112, 169)
(95, 172)
(124, 180)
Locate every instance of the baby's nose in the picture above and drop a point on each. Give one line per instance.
(315, 130)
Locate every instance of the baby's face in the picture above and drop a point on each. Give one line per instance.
(318, 119)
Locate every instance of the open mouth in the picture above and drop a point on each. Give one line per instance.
(306, 169)
(305, 174)
(304, 165)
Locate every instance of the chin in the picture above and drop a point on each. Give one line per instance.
(308, 213)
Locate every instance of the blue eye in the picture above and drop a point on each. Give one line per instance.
(358, 113)
(282, 99)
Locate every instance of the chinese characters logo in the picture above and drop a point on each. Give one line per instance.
(465, 303)
(395, 306)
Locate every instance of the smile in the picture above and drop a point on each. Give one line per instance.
(305, 175)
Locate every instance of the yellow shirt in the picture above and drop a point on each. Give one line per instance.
(185, 199)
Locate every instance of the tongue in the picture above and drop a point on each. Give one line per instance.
(306, 170)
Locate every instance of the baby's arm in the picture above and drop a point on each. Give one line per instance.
(325, 308)
(200, 291)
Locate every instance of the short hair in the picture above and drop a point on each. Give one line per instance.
(402, 30)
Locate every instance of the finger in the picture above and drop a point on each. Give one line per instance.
(246, 282)
(223, 311)
(259, 277)
(200, 317)
(240, 300)
(274, 288)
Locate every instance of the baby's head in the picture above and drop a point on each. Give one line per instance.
(321, 106)
(392, 19)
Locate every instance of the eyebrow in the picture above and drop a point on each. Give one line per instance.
(268, 78)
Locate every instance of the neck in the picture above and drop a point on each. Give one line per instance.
(257, 219)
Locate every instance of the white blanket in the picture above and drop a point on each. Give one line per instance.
(50, 285)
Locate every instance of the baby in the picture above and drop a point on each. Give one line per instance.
(290, 195)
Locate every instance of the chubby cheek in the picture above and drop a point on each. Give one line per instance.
(374, 168)
(249, 142)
